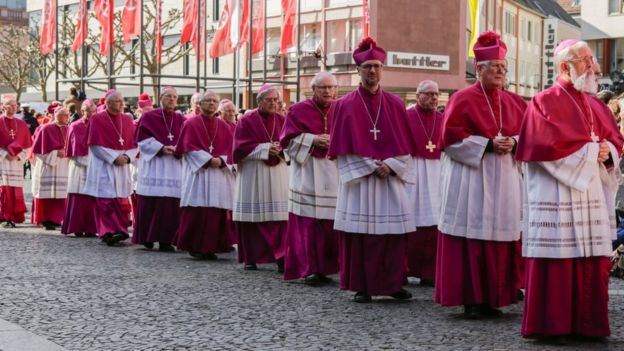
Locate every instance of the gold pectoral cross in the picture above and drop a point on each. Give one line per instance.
(430, 146)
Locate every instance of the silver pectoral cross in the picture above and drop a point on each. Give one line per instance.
(594, 137)
(121, 141)
(12, 134)
(430, 146)
(170, 137)
(210, 149)
(375, 131)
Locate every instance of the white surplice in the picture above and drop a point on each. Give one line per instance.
(77, 174)
(206, 187)
(368, 204)
(481, 192)
(104, 179)
(570, 206)
(12, 172)
(313, 184)
(261, 192)
(49, 176)
(157, 176)
(424, 193)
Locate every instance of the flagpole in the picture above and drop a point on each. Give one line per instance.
(83, 49)
(234, 79)
(56, 54)
(264, 68)
(203, 40)
(111, 38)
(198, 47)
(141, 48)
(298, 50)
(250, 58)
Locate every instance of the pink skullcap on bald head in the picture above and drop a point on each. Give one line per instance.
(88, 102)
(110, 92)
(564, 45)
(265, 89)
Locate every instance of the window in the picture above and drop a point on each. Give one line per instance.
(356, 32)
(529, 36)
(337, 36)
(615, 7)
(510, 23)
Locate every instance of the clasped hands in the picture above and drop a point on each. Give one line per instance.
(275, 149)
(503, 145)
(382, 170)
(603, 153)
(321, 141)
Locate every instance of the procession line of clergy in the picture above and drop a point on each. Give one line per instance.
(369, 192)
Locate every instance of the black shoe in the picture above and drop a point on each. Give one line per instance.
(488, 311)
(520, 295)
(49, 225)
(90, 235)
(197, 255)
(108, 239)
(361, 297)
(427, 282)
(79, 234)
(402, 295)
(312, 280)
(471, 312)
(280, 266)
(250, 267)
(165, 248)
(148, 245)
(324, 279)
(9, 224)
(115, 238)
(209, 257)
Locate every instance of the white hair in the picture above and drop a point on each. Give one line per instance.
(568, 53)
(224, 103)
(425, 85)
(264, 92)
(110, 97)
(322, 75)
(164, 89)
(206, 93)
(196, 97)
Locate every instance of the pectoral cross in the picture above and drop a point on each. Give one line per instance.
(121, 141)
(12, 134)
(594, 137)
(170, 137)
(210, 148)
(430, 146)
(375, 131)
(499, 135)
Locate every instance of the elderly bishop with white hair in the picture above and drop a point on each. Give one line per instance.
(426, 123)
(312, 243)
(478, 259)
(570, 146)
(370, 139)
(109, 180)
(261, 195)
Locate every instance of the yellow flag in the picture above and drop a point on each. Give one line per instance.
(475, 10)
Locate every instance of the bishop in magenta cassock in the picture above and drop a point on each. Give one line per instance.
(79, 207)
(159, 174)
(207, 182)
(50, 171)
(111, 149)
(312, 242)
(261, 193)
(478, 260)
(570, 146)
(15, 142)
(426, 123)
(370, 139)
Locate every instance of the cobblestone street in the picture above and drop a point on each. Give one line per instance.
(83, 295)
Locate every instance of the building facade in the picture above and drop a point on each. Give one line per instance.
(12, 12)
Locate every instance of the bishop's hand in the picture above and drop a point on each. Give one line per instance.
(121, 160)
(215, 162)
(275, 149)
(382, 171)
(603, 153)
(321, 141)
(168, 150)
(503, 145)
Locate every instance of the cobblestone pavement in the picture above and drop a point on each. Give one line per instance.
(83, 295)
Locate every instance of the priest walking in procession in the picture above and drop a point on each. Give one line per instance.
(311, 241)
(426, 123)
(15, 142)
(159, 174)
(79, 207)
(207, 182)
(261, 193)
(478, 260)
(371, 141)
(50, 171)
(571, 148)
(111, 149)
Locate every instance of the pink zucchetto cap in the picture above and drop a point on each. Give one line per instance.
(88, 102)
(145, 100)
(489, 46)
(564, 45)
(53, 106)
(59, 109)
(110, 92)
(265, 88)
(368, 50)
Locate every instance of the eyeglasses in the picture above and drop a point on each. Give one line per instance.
(498, 67)
(210, 101)
(325, 87)
(270, 99)
(431, 94)
(369, 66)
(590, 60)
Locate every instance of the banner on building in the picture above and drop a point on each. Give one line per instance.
(257, 44)
(365, 17)
(103, 10)
(131, 20)
(81, 25)
(48, 27)
(289, 25)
